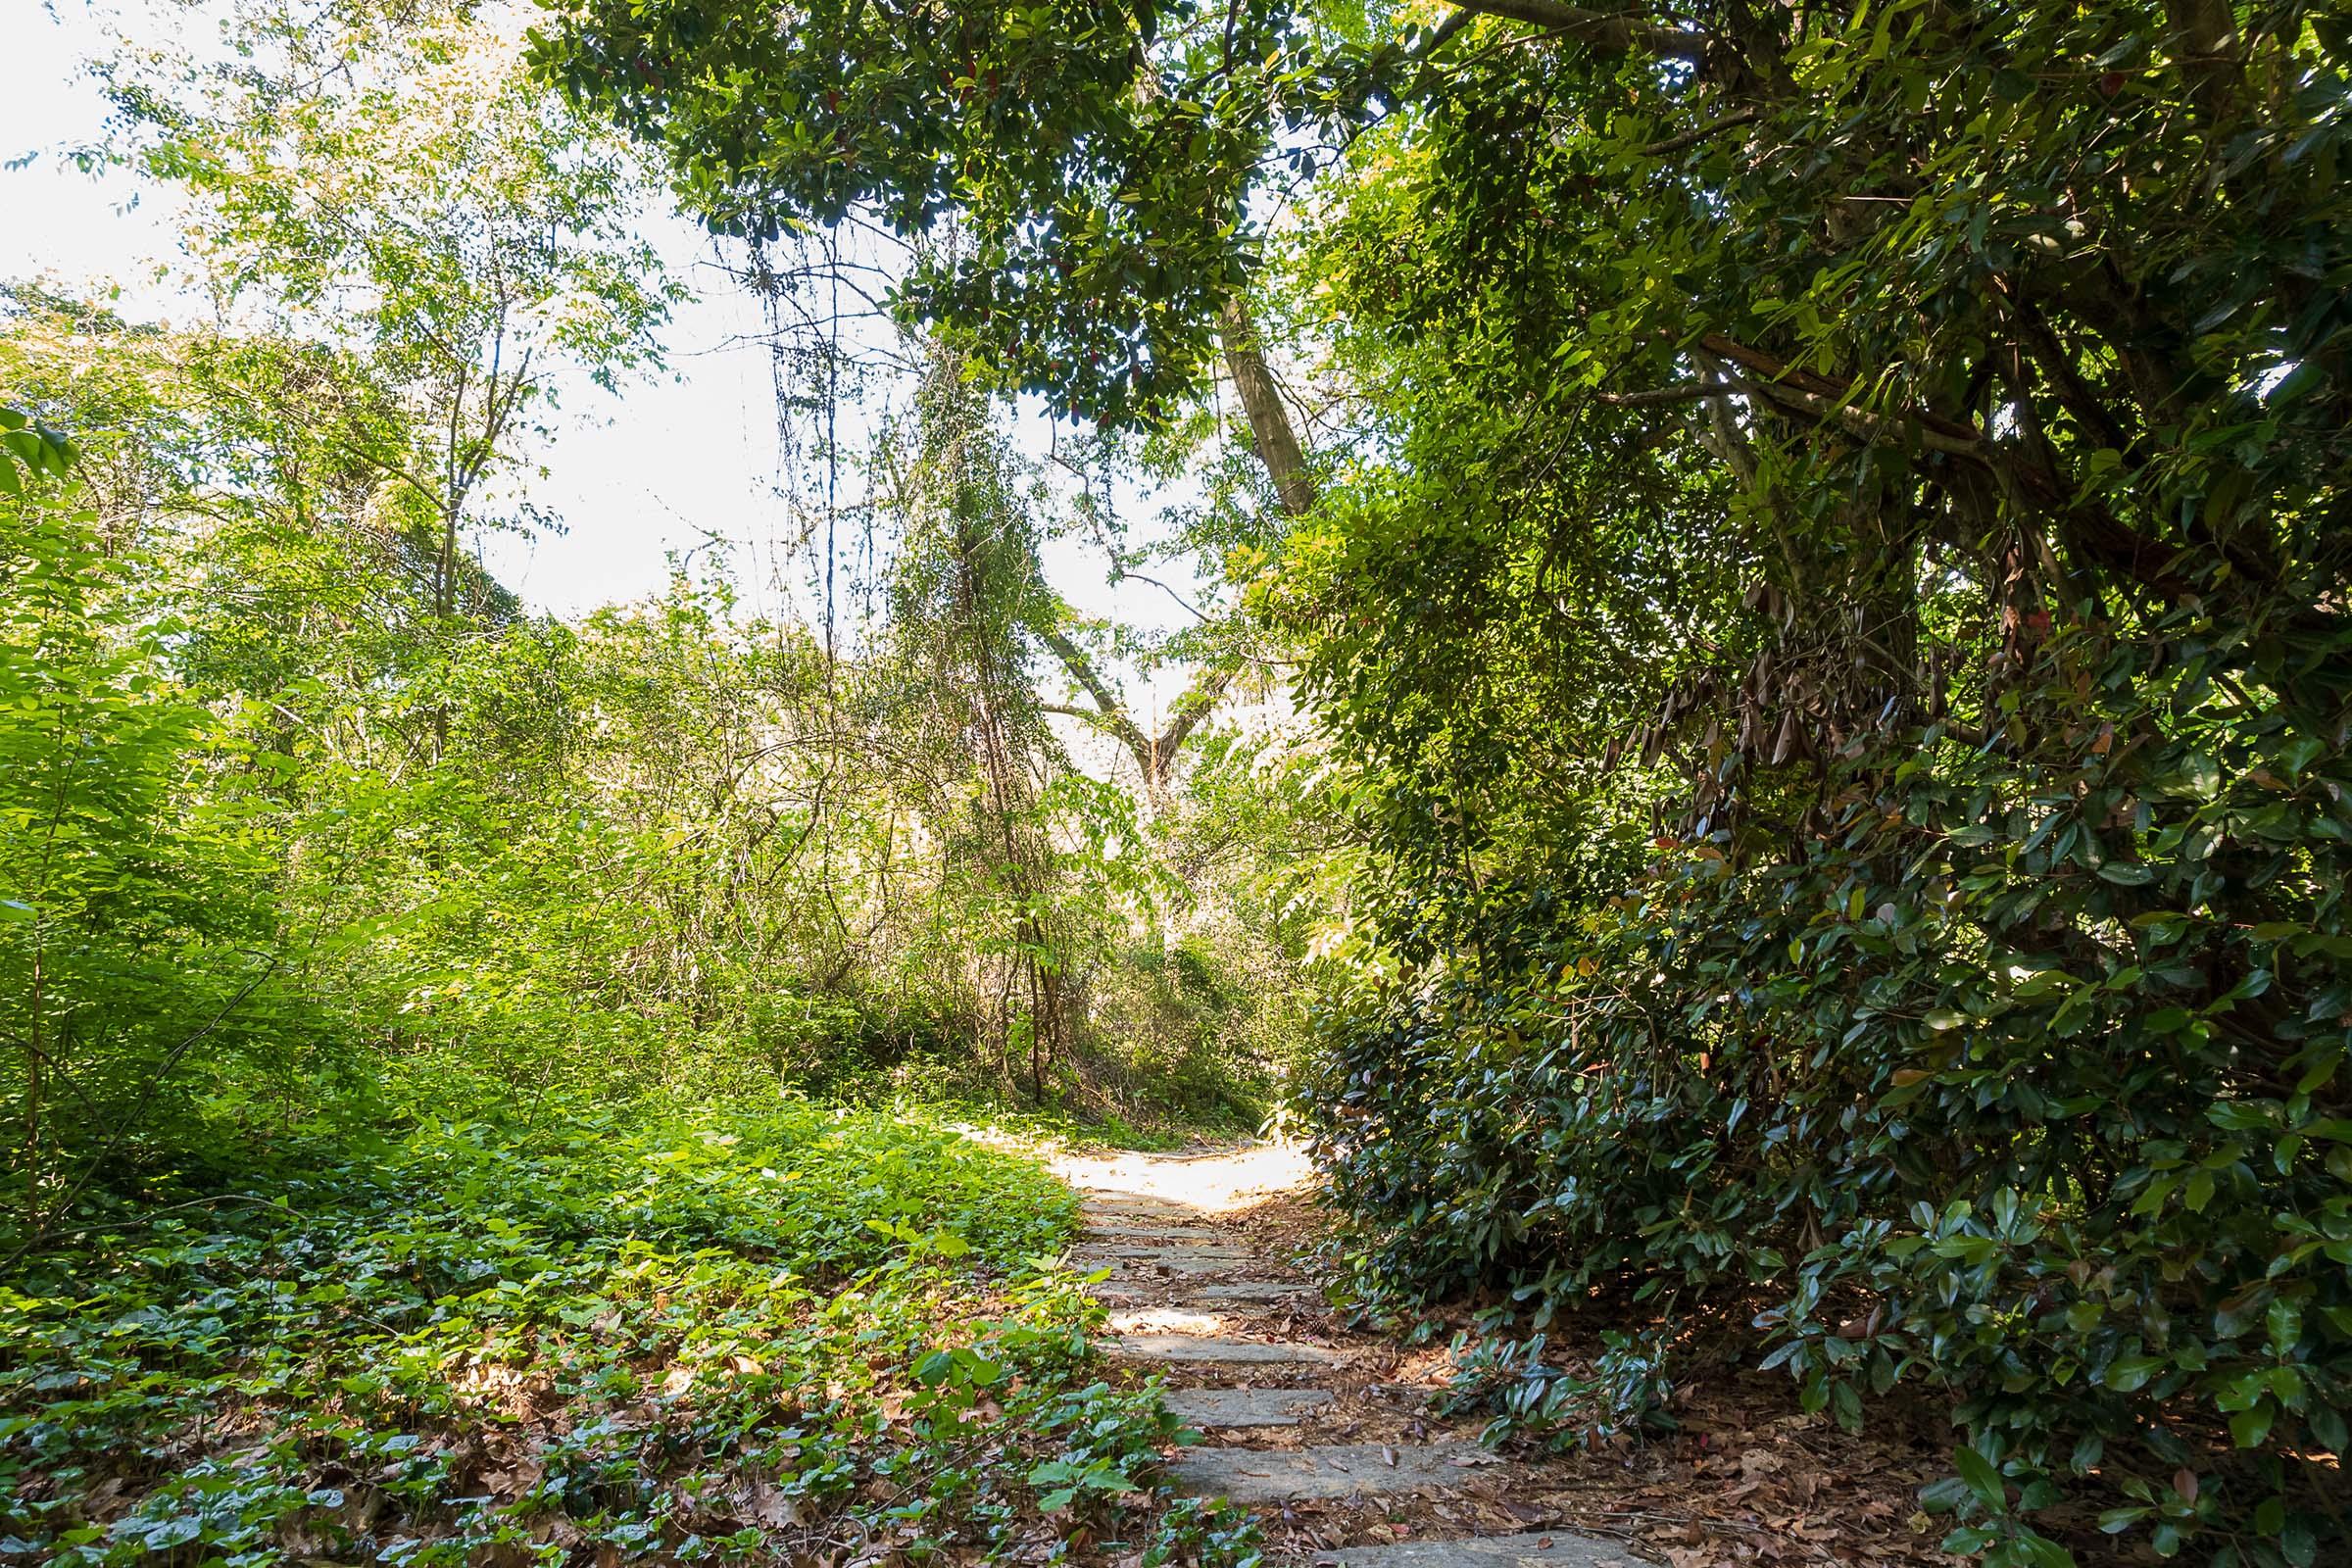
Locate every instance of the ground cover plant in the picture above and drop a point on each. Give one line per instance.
(645, 1337)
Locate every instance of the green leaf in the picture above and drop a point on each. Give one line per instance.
(1982, 1478)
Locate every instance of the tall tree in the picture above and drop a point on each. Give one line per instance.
(1076, 116)
(395, 188)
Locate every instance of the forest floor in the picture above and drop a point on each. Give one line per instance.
(684, 1334)
(822, 1336)
(1332, 1435)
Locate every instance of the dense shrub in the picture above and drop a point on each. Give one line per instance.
(139, 931)
(2024, 1084)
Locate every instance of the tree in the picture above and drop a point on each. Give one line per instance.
(399, 192)
(1080, 171)
(964, 581)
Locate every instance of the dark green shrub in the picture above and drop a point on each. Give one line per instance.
(2025, 1084)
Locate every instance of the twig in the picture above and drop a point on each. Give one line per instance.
(1692, 138)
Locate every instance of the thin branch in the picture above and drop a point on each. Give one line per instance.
(1692, 138)
(1123, 575)
(1685, 392)
(1620, 34)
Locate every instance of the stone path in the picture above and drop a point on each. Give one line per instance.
(1216, 1319)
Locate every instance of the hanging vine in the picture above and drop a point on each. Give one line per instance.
(962, 589)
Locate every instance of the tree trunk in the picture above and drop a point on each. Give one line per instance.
(1269, 416)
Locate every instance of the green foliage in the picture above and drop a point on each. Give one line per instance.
(1829, 613)
(1833, 620)
(2026, 1091)
(451, 839)
(342, 904)
(133, 925)
(394, 195)
(395, 184)
(687, 1337)
(1096, 217)
(1839, 648)
(337, 1244)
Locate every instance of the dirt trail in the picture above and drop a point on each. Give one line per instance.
(1333, 1440)
(1310, 1427)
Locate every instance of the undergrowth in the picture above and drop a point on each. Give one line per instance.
(678, 1336)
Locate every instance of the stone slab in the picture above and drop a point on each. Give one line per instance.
(1342, 1470)
(1118, 1290)
(1548, 1548)
(1144, 1263)
(1218, 1254)
(1206, 1349)
(1128, 1198)
(1167, 1320)
(1245, 1408)
(1159, 1233)
(1253, 1290)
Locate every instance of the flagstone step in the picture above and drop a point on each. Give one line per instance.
(1108, 1197)
(1198, 1347)
(1167, 1320)
(1245, 1408)
(1160, 1232)
(1223, 1254)
(1148, 1260)
(1280, 1475)
(1549, 1548)
(1253, 1290)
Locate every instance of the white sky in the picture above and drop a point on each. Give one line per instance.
(670, 462)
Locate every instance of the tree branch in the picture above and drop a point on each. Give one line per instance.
(1598, 29)
(1692, 138)
(1684, 392)
(1269, 421)
(1113, 713)
(1190, 709)
(2101, 536)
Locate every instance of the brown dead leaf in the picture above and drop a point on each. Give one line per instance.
(767, 1505)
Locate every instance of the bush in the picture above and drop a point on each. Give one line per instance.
(137, 922)
(2022, 1084)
